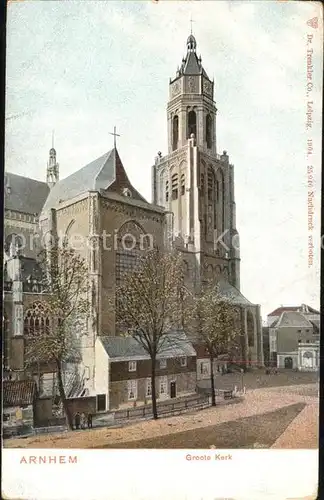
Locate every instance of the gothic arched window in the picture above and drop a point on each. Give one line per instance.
(175, 132)
(183, 181)
(13, 244)
(220, 191)
(192, 123)
(174, 186)
(36, 320)
(250, 328)
(209, 124)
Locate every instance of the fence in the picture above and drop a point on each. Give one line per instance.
(167, 408)
(50, 430)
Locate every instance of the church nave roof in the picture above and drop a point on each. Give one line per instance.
(98, 175)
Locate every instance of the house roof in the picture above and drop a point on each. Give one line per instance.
(25, 195)
(18, 392)
(98, 175)
(280, 310)
(174, 345)
(292, 318)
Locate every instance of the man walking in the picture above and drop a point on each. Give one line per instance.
(89, 421)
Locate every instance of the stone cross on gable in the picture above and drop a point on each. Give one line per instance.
(115, 135)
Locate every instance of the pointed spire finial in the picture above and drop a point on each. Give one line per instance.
(191, 21)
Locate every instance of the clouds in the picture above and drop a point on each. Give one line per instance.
(82, 67)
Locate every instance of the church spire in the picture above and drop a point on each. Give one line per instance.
(191, 63)
(52, 176)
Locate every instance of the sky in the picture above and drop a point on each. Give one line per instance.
(82, 67)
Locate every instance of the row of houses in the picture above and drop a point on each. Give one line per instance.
(122, 380)
(291, 338)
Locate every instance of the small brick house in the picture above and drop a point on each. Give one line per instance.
(123, 371)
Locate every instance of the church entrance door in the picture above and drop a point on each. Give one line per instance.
(288, 363)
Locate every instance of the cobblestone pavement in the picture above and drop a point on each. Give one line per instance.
(256, 402)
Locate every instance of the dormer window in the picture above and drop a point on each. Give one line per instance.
(126, 192)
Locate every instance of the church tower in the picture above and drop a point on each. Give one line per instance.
(193, 182)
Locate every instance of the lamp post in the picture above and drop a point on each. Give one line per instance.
(242, 373)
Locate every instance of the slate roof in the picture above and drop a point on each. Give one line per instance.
(233, 293)
(174, 345)
(98, 175)
(293, 318)
(191, 64)
(18, 392)
(25, 195)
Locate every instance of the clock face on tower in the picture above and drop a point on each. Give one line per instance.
(175, 88)
(208, 87)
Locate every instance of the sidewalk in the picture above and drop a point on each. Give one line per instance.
(303, 432)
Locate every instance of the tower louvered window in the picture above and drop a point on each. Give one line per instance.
(183, 184)
(202, 182)
(192, 124)
(167, 191)
(217, 190)
(210, 184)
(175, 187)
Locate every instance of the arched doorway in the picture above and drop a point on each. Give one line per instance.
(308, 359)
(288, 363)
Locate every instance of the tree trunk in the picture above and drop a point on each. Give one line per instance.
(154, 406)
(212, 383)
(68, 415)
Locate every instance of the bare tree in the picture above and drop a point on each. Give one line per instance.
(148, 305)
(65, 306)
(214, 318)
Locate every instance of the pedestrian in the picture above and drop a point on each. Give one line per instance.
(83, 421)
(77, 420)
(89, 421)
